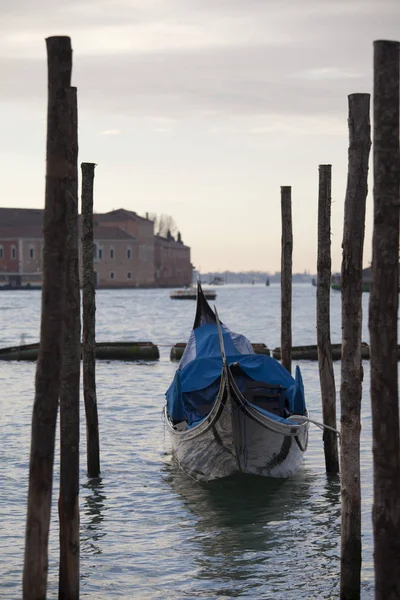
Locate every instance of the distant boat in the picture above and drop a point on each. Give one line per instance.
(314, 282)
(267, 282)
(217, 280)
(191, 294)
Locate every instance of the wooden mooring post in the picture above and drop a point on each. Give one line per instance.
(325, 363)
(286, 277)
(383, 312)
(351, 365)
(89, 324)
(68, 503)
(59, 174)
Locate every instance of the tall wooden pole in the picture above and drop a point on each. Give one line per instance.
(59, 172)
(327, 378)
(383, 311)
(286, 277)
(89, 323)
(351, 365)
(68, 503)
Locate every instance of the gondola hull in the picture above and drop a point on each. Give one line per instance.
(207, 451)
(236, 438)
(267, 448)
(232, 411)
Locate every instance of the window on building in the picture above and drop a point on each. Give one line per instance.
(94, 250)
(100, 253)
(13, 252)
(111, 252)
(112, 275)
(129, 275)
(31, 252)
(129, 253)
(1, 252)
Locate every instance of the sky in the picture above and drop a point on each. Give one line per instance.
(199, 109)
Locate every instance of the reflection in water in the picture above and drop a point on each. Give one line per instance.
(149, 535)
(263, 533)
(92, 516)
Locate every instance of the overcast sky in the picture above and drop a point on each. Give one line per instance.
(200, 109)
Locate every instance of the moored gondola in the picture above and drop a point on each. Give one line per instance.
(230, 410)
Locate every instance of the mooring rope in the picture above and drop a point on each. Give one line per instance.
(317, 423)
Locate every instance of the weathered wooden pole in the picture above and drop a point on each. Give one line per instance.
(327, 378)
(286, 277)
(383, 310)
(351, 365)
(89, 323)
(59, 172)
(68, 503)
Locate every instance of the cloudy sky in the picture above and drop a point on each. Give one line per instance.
(200, 109)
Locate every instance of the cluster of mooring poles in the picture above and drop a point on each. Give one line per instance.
(383, 309)
(58, 363)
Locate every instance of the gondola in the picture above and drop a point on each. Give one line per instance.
(229, 410)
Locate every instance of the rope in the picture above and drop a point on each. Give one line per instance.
(245, 449)
(317, 423)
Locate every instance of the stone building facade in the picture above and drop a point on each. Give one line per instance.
(136, 253)
(127, 254)
(172, 262)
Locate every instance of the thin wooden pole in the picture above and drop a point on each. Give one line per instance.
(89, 323)
(68, 503)
(327, 378)
(351, 365)
(383, 310)
(286, 277)
(59, 172)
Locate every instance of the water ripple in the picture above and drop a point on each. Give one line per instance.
(147, 531)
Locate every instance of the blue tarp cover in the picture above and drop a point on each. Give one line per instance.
(205, 369)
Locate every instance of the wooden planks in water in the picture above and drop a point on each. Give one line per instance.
(126, 351)
(311, 352)
(298, 352)
(178, 349)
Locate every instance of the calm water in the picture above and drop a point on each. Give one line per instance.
(147, 531)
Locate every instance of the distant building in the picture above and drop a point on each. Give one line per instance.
(336, 282)
(21, 247)
(126, 252)
(125, 249)
(366, 275)
(172, 262)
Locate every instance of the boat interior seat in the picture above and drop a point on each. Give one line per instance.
(268, 397)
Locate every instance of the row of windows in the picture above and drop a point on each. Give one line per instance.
(144, 253)
(98, 252)
(128, 276)
(13, 252)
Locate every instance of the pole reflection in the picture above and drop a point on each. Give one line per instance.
(92, 516)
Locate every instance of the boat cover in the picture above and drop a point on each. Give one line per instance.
(201, 365)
